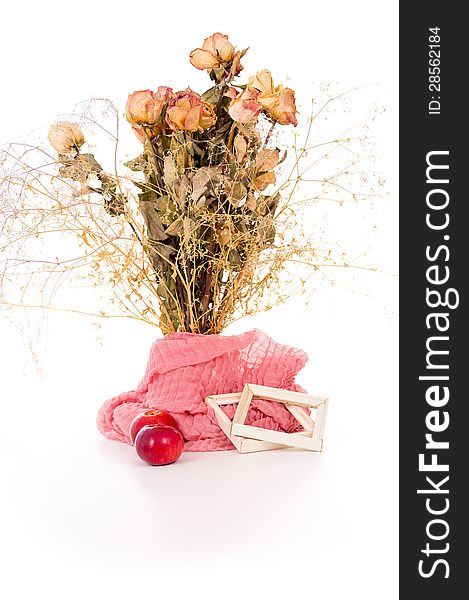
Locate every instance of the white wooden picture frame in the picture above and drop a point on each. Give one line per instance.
(247, 438)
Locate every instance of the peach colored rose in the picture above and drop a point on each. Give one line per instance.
(281, 106)
(65, 137)
(187, 112)
(145, 107)
(216, 51)
(207, 115)
(278, 102)
(262, 82)
(245, 107)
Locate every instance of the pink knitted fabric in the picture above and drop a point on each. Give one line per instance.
(184, 368)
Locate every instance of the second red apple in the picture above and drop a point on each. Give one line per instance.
(159, 444)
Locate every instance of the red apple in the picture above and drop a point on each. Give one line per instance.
(159, 444)
(151, 417)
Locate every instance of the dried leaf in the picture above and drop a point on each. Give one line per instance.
(71, 171)
(266, 230)
(176, 228)
(178, 151)
(251, 202)
(170, 171)
(148, 208)
(223, 236)
(80, 167)
(115, 205)
(220, 134)
(167, 209)
(182, 188)
(148, 196)
(200, 179)
(273, 202)
(164, 250)
(160, 255)
(235, 65)
(91, 163)
(137, 164)
(267, 160)
(262, 181)
(194, 149)
(211, 95)
(249, 131)
(240, 146)
(190, 226)
(217, 74)
(237, 193)
(205, 179)
(201, 203)
(163, 291)
(268, 204)
(234, 258)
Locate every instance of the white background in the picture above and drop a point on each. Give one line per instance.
(80, 516)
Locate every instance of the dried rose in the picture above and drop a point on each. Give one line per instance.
(262, 82)
(145, 107)
(216, 51)
(245, 107)
(65, 137)
(281, 106)
(207, 115)
(278, 102)
(187, 112)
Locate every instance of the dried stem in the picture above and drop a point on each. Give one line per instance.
(208, 283)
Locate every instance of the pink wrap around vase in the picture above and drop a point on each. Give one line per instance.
(184, 368)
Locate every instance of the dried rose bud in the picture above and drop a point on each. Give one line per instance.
(207, 116)
(281, 106)
(278, 102)
(187, 112)
(216, 51)
(245, 107)
(262, 82)
(65, 137)
(145, 107)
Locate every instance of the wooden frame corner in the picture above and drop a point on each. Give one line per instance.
(247, 438)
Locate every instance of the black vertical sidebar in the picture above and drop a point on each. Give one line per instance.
(434, 266)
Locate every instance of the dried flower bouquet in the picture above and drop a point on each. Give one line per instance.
(205, 224)
(205, 170)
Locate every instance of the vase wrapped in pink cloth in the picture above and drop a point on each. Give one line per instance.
(185, 368)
